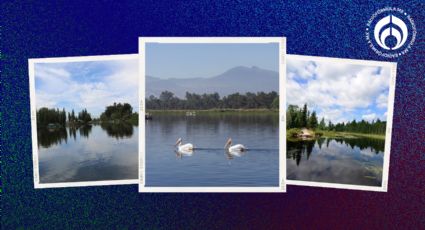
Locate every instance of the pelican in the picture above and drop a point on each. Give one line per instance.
(186, 148)
(235, 148)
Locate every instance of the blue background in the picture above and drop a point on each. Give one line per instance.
(72, 28)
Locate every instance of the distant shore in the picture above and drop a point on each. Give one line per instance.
(294, 134)
(213, 111)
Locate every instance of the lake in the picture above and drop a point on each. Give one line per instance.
(210, 165)
(354, 161)
(89, 153)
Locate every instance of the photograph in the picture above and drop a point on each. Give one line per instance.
(338, 122)
(85, 117)
(212, 115)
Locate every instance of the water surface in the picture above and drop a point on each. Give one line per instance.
(210, 165)
(355, 161)
(89, 153)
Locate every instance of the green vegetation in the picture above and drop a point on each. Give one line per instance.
(84, 116)
(119, 113)
(55, 118)
(51, 117)
(192, 101)
(292, 134)
(215, 111)
(299, 118)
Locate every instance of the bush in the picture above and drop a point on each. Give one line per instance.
(293, 132)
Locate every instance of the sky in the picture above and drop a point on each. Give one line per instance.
(207, 60)
(92, 85)
(339, 92)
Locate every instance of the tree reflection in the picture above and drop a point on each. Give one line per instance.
(118, 130)
(85, 130)
(298, 149)
(73, 132)
(48, 137)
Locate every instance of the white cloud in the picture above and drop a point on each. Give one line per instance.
(337, 88)
(65, 86)
(382, 100)
(369, 117)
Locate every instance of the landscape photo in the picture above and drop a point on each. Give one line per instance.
(212, 114)
(336, 119)
(86, 121)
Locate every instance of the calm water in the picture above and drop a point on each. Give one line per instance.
(210, 165)
(89, 153)
(356, 161)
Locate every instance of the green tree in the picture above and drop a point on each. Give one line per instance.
(304, 116)
(322, 124)
(313, 120)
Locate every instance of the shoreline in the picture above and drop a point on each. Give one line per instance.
(210, 110)
(330, 134)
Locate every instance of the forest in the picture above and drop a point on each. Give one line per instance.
(119, 112)
(168, 101)
(115, 112)
(46, 116)
(303, 118)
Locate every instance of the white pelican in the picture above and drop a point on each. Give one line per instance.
(180, 154)
(235, 148)
(186, 148)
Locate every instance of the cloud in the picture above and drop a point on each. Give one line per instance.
(369, 117)
(382, 100)
(91, 85)
(342, 91)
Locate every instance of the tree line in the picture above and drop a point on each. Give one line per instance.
(117, 111)
(297, 117)
(47, 116)
(260, 100)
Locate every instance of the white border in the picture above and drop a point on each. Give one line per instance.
(282, 123)
(390, 110)
(31, 71)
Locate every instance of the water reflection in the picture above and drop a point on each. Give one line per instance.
(210, 164)
(85, 130)
(49, 137)
(181, 154)
(232, 155)
(336, 160)
(87, 153)
(119, 131)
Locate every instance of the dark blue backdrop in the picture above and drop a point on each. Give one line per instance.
(72, 28)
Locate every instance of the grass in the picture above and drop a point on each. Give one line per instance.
(290, 134)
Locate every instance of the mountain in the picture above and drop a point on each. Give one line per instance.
(236, 80)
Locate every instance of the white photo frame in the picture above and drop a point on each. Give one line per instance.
(35, 152)
(389, 116)
(282, 125)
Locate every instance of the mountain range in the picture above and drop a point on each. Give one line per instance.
(239, 79)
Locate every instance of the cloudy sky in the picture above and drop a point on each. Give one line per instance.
(92, 85)
(193, 60)
(339, 92)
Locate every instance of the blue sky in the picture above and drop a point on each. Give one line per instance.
(91, 84)
(339, 92)
(207, 60)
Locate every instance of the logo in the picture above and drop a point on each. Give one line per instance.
(390, 32)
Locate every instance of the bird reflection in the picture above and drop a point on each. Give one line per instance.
(231, 155)
(181, 153)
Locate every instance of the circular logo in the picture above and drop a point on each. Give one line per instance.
(390, 32)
